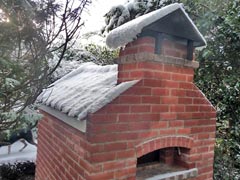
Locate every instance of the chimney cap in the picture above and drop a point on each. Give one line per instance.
(171, 20)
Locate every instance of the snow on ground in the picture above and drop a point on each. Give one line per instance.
(28, 154)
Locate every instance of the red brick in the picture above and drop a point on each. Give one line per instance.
(160, 91)
(176, 123)
(103, 157)
(115, 128)
(138, 117)
(132, 50)
(177, 108)
(124, 173)
(198, 129)
(101, 176)
(123, 75)
(115, 146)
(102, 138)
(127, 67)
(146, 48)
(168, 116)
(169, 84)
(139, 91)
(152, 83)
(200, 101)
(203, 136)
(185, 85)
(115, 108)
(185, 100)
(206, 108)
(148, 74)
(184, 116)
(113, 165)
(102, 118)
(184, 131)
(192, 93)
(160, 108)
(136, 74)
(129, 99)
(192, 108)
(139, 126)
(196, 157)
(162, 75)
(169, 100)
(125, 136)
(126, 154)
(178, 92)
(190, 123)
(202, 149)
(205, 170)
(146, 134)
(167, 132)
(159, 124)
(150, 99)
(150, 66)
(179, 77)
(190, 78)
(141, 108)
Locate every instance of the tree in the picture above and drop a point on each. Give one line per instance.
(218, 77)
(75, 56)
(31, 32)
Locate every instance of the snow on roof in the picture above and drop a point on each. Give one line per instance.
(84, 90)
(127, 32)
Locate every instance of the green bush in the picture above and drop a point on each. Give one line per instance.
(17, 171)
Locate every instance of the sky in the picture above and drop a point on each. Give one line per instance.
(94, 16)
(94, 20)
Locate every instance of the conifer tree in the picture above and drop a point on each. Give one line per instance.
(31, 31)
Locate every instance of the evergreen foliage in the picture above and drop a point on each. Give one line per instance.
(75, 56)
(31, 31)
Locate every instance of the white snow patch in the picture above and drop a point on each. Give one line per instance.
(28, 154)
(127, 32)
(84, 90)
(172, 174)
(107, 98)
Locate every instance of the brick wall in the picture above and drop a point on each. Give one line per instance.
(62, 151)
(163, 110)
(165, 104)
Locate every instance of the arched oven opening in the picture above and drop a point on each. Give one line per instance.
(166, 162)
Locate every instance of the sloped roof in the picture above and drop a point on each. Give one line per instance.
(84, 90)
(167, 21)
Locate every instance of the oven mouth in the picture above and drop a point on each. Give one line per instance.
(163, 164)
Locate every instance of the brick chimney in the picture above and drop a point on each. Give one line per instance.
(163, 122)
(167, 98)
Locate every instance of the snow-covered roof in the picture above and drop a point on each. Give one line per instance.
(84, 90)
(127, 32)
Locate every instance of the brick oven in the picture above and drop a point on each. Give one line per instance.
(150, 122)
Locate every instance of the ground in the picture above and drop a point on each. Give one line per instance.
(28, 154)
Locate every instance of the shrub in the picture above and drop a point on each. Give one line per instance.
(17, 171)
